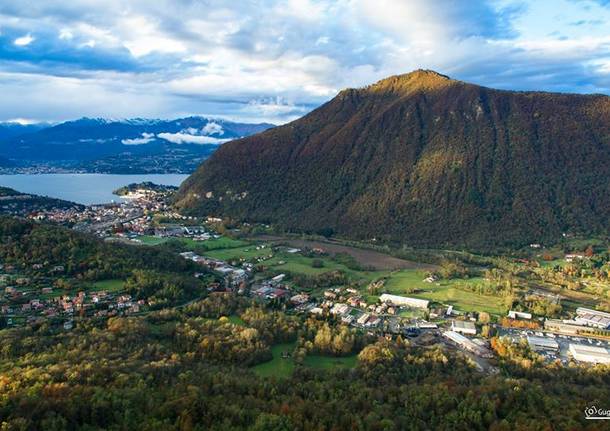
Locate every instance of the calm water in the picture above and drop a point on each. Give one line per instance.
(82, 188)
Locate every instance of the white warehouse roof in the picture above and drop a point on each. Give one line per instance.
(403, 300)
(583, 353)
(542, 343)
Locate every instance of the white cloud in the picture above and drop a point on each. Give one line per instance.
(212, 128)
(24, 40)
(23, 121)
(143, 37)
(145, 139)
(186, 138)
(66, 34)
(275, 60)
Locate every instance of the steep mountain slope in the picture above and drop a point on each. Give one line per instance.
(424, 159)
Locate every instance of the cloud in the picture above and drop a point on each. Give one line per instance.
(145, 139)
(24, 40)
(187, 138)
(65, 34)
(275, 60)
(22, 121)
(212, 128)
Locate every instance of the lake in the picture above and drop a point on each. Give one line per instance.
(84, 189)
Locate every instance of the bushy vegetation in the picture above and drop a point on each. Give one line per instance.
(83, 256)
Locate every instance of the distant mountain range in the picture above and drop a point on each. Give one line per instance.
(119, 146)
(425, 160)
(12, 129)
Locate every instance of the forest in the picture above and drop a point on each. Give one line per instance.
(82, 256)
(189, 369)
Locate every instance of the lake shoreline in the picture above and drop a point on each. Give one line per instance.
(85, 188)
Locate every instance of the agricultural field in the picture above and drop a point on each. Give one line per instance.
(410, 283)
(407, 281)
(292, 262)
(210, 244)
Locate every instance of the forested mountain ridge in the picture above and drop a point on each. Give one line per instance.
(424, 159)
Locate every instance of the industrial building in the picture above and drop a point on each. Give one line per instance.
(594, 318)
(591, 354)
(404, 301)
(519, 315)
(464, 327)
(543, 344)
(562, 327)
(467, 344)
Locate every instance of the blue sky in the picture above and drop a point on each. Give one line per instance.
(276, 60)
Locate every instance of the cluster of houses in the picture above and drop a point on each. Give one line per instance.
(15, 304)
(274, 289)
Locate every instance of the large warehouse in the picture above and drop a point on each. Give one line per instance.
(404, 301)
(595, 318)
(542, 344)
(467, 344)
(592, 354)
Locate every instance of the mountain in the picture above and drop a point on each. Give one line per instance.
(10, 129)
(5, 163)
(125, 146)
(423, 159)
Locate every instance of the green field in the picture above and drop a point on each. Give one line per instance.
(410, 283)
(283, 367)
(330, 363)
(152, 240)
(405, 281)
(245, 252)
(278, 366)
(291, 262)
(114, 285)
(210, 244)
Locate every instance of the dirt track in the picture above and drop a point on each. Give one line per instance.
(367, 258)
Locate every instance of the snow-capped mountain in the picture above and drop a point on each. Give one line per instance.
(87, 141)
